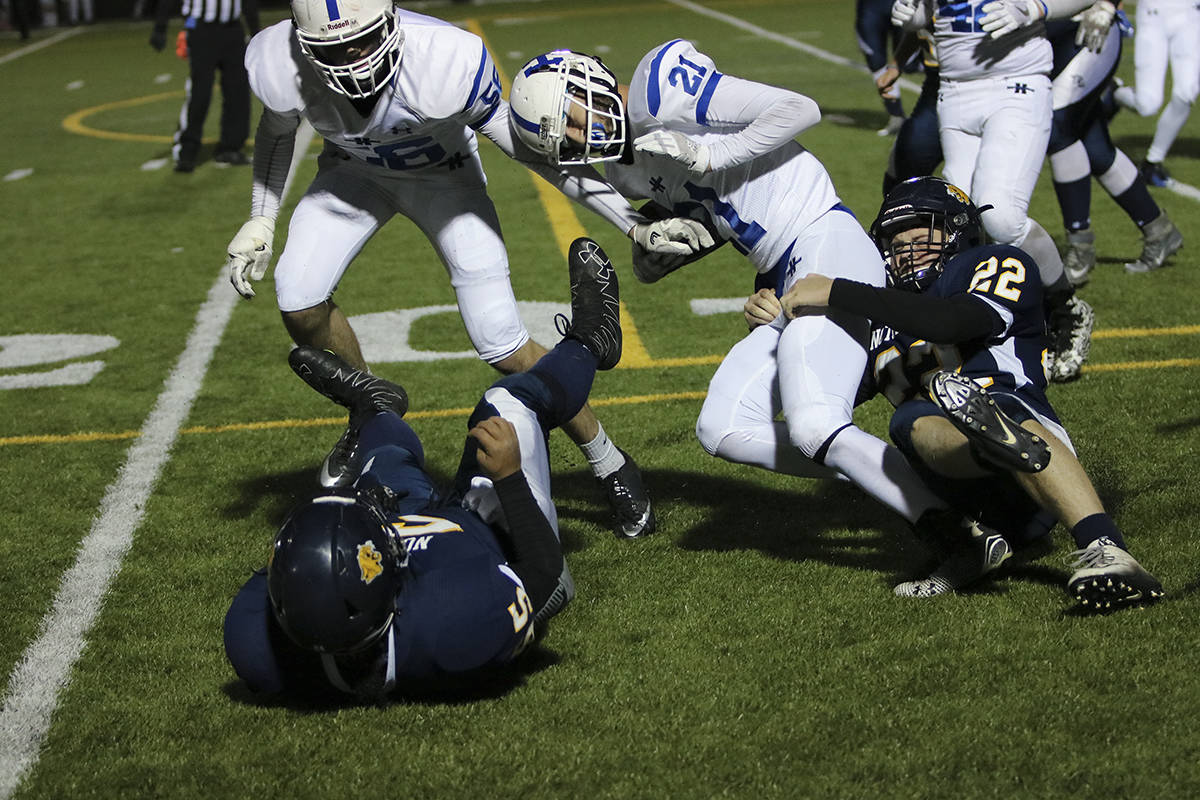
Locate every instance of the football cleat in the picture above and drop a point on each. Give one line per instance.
(361, 392)
(364, 394)
(595, 303)
(1071, 338)
(1108, 577)
(996, 439)
(1154, 173)
(969, 560)
(1080, 258)
(1160, 240)
(344, 462)
(893, 126)
(633, 515)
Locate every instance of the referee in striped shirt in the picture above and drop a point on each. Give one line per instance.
(215, 39)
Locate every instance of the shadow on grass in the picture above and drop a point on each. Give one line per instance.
(836, 524)
(490, 684)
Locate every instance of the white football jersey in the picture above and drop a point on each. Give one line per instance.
(421, 125)
(760, 205)
(965, 51)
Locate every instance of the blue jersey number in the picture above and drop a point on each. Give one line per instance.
(409, 154)
(687, 76)
(962, 16)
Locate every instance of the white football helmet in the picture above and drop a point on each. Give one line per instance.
(354, 44)
(559, 95)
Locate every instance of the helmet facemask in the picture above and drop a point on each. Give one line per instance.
(916, 250)
(358, 61)
(568, 107)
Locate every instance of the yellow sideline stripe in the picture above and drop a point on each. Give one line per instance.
(317, 422)
(1138, 333)
(567, 228)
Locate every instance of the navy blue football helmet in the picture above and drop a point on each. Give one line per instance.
(334, 572)
(953, 223)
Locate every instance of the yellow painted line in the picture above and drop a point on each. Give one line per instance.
(1137, 333)
(75, 122)
(442, 413)
(1121, 366)
(319, 422)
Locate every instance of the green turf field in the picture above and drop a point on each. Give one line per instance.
(751, 648)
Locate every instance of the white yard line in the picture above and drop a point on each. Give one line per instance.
(33, 48)
(786, 41)
(45, 668)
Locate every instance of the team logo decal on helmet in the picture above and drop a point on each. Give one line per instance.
(355, 45)
(945, 222)
(335, 572)
(370, 561)
(567, 106)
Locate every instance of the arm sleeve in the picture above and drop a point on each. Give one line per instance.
(941, 320)
(772, 117)
(581, 183)
(534, 550)
(274, 141)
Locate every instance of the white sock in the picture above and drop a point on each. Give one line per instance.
(602, 455)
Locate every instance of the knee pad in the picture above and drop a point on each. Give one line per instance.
(811, 429)
(1007, 225)
(709, 433)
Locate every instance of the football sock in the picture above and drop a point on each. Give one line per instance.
(1042, 247)
(1073, 184)
(1075, 200)
(1123, 181)
(881, 471)
(1091, 528)
(602, 455)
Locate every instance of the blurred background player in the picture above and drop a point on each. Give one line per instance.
(1086, 52)
(960, 315)
(874, 29)
(994, 114)
(372, 586)
(215, 40)
(917, 149)
(398, 98)
(1165, 32)
(700, 142)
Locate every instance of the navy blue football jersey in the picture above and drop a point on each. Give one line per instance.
(460, 607)
(1013, 360)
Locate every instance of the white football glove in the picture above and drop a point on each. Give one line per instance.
(1094, 23)
(249, 254)
(1002, 17)
(671, 144)
(677, 235)
(903, 11)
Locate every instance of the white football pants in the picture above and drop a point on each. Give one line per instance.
(809, 370)
(347, 202)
